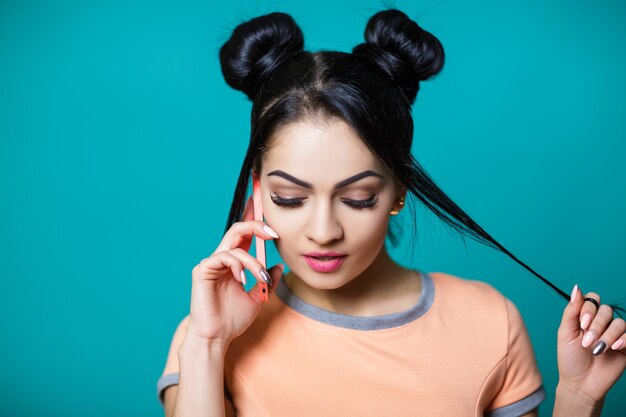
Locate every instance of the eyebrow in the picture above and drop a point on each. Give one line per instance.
(340, 184)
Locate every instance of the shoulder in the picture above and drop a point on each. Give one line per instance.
(468, 292)
(171, 364)
(473, 302)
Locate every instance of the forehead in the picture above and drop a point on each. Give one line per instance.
(329, 149)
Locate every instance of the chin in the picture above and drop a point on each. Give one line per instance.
(324, 280)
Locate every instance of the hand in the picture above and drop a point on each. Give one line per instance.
(580, 371)
(221, 309)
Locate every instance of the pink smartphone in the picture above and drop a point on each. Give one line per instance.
(260, 243)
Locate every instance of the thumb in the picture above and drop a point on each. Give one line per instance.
(276, 273)
(570, 322)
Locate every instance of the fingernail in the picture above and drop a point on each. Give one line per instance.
(266, 277)
(572, 298)
(584, 323)
(270, 231)
(243, 277)
(599, 348)
(282, 268)
(618, 344)
(588, 339)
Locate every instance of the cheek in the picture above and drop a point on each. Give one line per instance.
(283, 223)
(368, 232)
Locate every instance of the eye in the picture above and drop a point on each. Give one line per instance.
(370, 202)
(286, 202)
(295, 202)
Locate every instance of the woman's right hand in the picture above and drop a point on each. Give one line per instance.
(221, 309)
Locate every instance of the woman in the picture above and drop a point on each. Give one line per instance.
(348, 331)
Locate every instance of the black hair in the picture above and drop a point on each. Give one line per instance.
(372, 89)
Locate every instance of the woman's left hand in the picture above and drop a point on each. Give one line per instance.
(581, 333)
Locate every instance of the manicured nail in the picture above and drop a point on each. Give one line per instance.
(266, 277)
(599, 348)
(572, 298)
(586, 320)
(270, 231)
(618, 344)
(588, 339)
(243, 277)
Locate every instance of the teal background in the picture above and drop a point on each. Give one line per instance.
(120, 145)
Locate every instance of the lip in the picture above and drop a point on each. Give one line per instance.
(313, 254)
(324, 266)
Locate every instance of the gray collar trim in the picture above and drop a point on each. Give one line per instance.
(361, 322)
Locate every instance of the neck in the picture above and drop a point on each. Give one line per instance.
(383, 288)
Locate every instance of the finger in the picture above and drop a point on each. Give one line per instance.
(237, 258)
(250, 263)
(570, 322)
(241, 232)
(598, 325)
(620, 343)
(611, 336)
(589, 310)
(220, 261)
(277, 273)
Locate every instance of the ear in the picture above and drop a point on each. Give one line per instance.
(398, 202)
(400, 192)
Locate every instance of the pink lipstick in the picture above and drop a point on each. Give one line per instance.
(324, 261)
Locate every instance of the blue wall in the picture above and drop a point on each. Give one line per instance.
(120, 144)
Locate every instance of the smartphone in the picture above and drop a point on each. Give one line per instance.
(260, 243)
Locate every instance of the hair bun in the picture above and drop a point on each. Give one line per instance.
(256, 48)
(404, 50)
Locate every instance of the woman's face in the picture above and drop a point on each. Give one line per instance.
(324, 191)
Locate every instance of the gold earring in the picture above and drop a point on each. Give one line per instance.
(396, 211)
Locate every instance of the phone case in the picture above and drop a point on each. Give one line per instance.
(260, 243)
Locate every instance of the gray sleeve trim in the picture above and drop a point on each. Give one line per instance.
(164, 382)
(520, 407)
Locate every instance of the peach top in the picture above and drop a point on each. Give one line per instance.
(462, 350)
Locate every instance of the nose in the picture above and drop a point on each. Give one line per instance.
(323, 227)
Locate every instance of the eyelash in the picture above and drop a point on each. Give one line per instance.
(294, 202)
